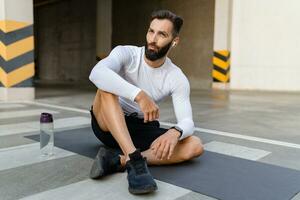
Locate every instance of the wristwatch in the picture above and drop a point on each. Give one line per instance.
(178, 129)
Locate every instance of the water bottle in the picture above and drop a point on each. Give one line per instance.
(46, 134)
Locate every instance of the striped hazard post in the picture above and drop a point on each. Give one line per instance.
(221, 63)
(16, 53)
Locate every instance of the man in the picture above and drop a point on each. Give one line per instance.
(131, 82)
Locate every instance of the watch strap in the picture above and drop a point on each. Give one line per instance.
(178, 129)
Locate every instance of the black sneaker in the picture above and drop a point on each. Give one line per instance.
(106, 162)
(140, 180)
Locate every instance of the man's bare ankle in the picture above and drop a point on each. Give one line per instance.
(126, 156)
(123, 160)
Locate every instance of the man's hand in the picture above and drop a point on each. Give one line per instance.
(148, 106)
(163, 147)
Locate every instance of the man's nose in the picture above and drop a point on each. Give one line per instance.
(153, 38)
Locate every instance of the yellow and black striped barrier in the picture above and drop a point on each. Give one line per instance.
(16, 54)
(221, 63)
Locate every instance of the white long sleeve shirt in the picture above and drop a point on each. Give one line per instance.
(125, 73)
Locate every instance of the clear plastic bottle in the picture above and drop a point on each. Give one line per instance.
(46, 134)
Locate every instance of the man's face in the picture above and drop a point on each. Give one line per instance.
(159, 39)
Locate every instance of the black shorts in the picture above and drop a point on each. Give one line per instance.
(142, 134)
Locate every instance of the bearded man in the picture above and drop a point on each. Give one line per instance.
(131, 82)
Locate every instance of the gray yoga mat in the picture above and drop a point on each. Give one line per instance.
(216, 175)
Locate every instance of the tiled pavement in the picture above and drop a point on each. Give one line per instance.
(24, 174)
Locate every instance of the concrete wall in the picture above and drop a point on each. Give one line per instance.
(130, 21)
(265, 45)
(193, 54)
(66, 40)
(103, 27)
(195, 51)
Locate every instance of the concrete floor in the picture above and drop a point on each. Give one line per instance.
(261, 126)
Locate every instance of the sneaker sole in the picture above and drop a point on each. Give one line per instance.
(143, 191)
(97, 170)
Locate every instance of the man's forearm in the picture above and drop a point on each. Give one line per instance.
(109, 81)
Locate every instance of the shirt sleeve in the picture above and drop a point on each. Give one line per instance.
(106, 74)
(182, 106)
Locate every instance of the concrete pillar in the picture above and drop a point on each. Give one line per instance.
(265, 45)
(16, 50)
(222, 35)
(104, 28)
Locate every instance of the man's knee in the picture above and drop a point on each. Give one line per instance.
(101, 102)
(194, 148)
(106, 95)
(103, 97)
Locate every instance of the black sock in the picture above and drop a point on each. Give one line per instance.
(136, 155)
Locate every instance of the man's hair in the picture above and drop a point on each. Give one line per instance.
(176, 20)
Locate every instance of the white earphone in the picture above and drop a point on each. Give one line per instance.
(173, 44)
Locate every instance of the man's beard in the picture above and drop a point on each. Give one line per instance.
(153, 55)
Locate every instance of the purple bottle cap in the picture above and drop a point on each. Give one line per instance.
(46, 118)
